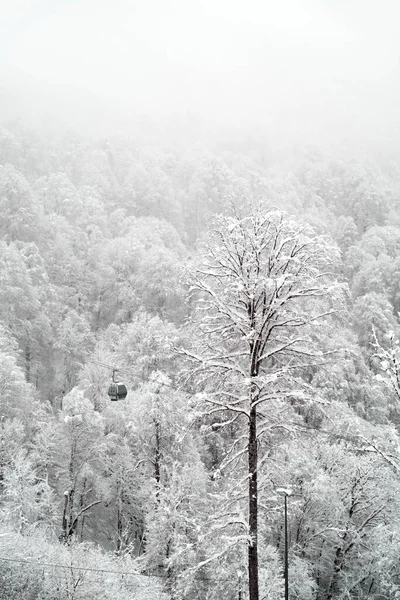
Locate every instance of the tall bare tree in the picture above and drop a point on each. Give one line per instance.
(262, 285)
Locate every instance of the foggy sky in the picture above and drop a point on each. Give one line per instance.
(309, 70)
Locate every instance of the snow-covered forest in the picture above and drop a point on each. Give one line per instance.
(199, 300)
(251, 309)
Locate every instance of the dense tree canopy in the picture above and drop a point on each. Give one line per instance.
(252, 310)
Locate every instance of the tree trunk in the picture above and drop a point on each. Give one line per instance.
(65, 518)
(119, 518)
(81, 506)
(157, 453)
(28, 359)
(253, 507)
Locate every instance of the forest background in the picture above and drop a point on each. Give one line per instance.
(145, 147)
(98, 237)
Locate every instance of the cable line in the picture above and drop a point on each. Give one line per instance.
(93, 570)
(58, 566)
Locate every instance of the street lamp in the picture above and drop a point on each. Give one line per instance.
(285, 492)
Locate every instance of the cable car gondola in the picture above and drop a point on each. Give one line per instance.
(117, 390)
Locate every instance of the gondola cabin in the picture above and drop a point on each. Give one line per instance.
(117, 391)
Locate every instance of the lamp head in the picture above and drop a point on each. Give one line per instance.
(284, 491)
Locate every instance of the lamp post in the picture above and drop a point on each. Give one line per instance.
(285, 492)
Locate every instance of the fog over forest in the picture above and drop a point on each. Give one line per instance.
(295, 72)
(199, 300)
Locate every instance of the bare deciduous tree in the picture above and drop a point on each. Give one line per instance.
(262, 285)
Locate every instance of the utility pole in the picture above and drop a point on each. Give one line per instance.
(286, 554)
(285, 492)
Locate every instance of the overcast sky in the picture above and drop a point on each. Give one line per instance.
(311, 67)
